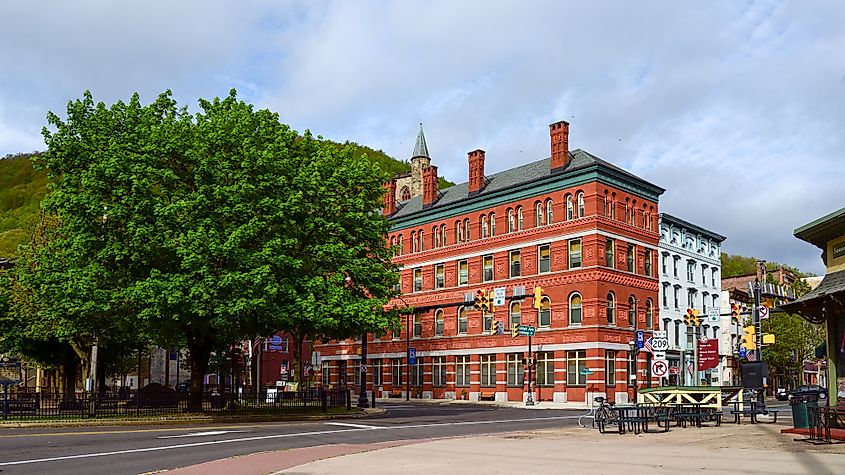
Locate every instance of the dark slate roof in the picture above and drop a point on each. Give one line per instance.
(420, 148)
(522, 174)
(826, 299)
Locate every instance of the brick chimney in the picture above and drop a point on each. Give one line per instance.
(476, 171)
(559, 135)
(430, 186)
(389, 197)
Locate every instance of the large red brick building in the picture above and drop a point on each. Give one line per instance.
(581, 228)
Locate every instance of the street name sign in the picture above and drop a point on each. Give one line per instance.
(499, 296)
(526, 330)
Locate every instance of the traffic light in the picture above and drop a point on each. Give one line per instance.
(691, 317)
(490, 299)
(749, 339)
(538, 297)
(496, 329)
(514, 331)
(735, 314)
(478, 295)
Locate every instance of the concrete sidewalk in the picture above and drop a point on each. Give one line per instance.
(732, 449)
(514, 404)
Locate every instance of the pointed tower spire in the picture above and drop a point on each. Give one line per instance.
(420, 149)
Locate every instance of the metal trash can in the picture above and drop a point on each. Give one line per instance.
(798, 404)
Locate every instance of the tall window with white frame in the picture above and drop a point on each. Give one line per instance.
(516, 373)
(377, 370)
(492, 224)
(462, 370)
(435, 235)
(396, 373)
(356, 373)
(421, 238)
(417, 372)
(443, 234)
(544, 261)
(570, 208)
(438, 371)
(417, 325)
(545, 368)
(413, 241)
(676, 260)
(466, 230)
(610, 367)
(611, 308)
(515, 264)
(538, 214)
(459, 232)
(515, 314)
(439, 320)
(576, 366)
(608, 253)
(647, 262)
(691, 270)
(664, 259)
(574, 253)
(418, 281)
(463, 272)
(544, 315)
(483, 226)
(519, 219)
(575, 309)
(439, 276)
(462, 321)
(511, 221)
(631, 257)
(488, 370)
(677, 294)
(487, 268)
(649, 314)
(632, 311)
(549, 211)
(580, 204)
(713, 273)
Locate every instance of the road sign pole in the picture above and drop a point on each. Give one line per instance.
(529, 401)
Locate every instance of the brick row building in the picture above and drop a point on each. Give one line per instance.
(583, 229)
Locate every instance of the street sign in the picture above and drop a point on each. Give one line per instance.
(742, 352)
(708, 354)
(659, 355)
(763, 311)
(586, 371)
(659, 368)
(363, 368)
(659, 341)
(499, 296)
(640, 339)
(412, 356)
(527, 330)
(713, 315)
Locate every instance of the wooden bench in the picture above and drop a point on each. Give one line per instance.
(487, 395)
(395, 393)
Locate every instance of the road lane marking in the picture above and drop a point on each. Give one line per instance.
(346, 424)
(199, 434)
(275, 436)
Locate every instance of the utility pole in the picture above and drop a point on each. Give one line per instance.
(408, 356)
(529, 401)
(362, 390)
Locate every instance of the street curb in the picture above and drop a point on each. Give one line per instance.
(196, 420)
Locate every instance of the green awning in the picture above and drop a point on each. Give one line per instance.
(826, 299)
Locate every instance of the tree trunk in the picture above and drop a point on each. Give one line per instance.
(69, 381)
(298, 338)
(200, 352)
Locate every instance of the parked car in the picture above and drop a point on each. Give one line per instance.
(782, 394)
(809, 390)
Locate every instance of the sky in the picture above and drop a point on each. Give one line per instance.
(736, 108)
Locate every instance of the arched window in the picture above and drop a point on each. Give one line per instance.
(466, 229)
(519, 220)
(606, 206)
(413, 241)
(392, 241)
(438, 322)
(649, 314)
(462, 321)
(627, 210)
(613, 206)
(549, 216)
(633, 221)
(538, 214)
(401, 245)
(492, 224)
(515, 314)
(632, 311)
(511, 221)
(443, 234)
(422, 241)
(570, 208)
(406, 193)
(611, 308)
(436, 234)
(483, 226)
(580, 204)
(459, 232)
(575, 309)
(544, 316)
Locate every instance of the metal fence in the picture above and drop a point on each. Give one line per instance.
(36, 406)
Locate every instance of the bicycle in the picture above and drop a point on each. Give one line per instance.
(601, 415)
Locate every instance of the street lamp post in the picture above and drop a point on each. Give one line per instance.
(363, 402)
(634, 354)
(408, 357)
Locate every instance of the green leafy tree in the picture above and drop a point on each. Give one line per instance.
(206, 228)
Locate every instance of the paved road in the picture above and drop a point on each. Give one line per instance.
(118, 450)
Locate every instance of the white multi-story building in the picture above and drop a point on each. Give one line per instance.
(690, 277)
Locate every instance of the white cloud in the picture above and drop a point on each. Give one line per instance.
(735, 108)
